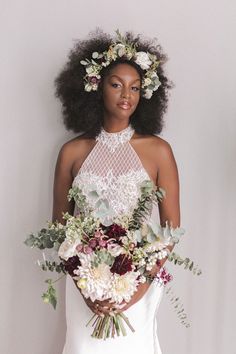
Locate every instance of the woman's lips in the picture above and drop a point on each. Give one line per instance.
(124, 105)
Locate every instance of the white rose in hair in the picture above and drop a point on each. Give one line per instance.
(120, 49)
(156, 81)
(143, 60)
(147, 82)
(148, 94)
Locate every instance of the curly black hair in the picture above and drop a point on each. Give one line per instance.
(83, 111)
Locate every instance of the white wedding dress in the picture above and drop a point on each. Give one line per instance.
(116, 170)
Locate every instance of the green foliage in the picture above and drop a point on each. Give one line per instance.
(144, 204)
(51, 237)
(76, 194)
(103, 257)
(178, 306)
(160, 194)
(49, 297)
(53, 266)
(186, 262)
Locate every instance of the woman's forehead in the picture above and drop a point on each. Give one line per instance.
(124, 70)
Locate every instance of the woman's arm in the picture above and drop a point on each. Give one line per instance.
(168, 179)
(62, 183)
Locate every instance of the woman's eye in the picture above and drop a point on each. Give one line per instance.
(115, 85)
(135, 88)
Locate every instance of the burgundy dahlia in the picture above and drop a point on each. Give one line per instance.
(71, 264)
(115, 231)
(122, 264)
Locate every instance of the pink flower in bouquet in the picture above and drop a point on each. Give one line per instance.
(80, 248)
(87, 249)
(164, 276)
(122, 264)
(93, 243)
(102, 243)
(98, 234)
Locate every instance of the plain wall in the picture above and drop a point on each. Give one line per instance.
(200, 126)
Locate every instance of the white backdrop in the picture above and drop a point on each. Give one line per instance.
(35, 37)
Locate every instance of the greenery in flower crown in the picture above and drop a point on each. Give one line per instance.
(121, 48)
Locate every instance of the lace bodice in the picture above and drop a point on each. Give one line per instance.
(116, 171)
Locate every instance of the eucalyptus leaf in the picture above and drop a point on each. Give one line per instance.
(29, 241)
(93, 195)
(177, 232)
(151, 237)
(138, 235)
(155, 228)
(47, 243)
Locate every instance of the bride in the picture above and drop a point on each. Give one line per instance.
(114, 92)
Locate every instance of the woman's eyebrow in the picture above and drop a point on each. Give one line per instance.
(118, 77)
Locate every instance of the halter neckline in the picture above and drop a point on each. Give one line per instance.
(113, 140)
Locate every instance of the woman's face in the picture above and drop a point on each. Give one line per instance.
(121, 91)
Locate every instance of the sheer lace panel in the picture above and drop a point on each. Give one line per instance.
(115, 169)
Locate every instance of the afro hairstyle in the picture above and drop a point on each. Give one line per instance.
(83, 111)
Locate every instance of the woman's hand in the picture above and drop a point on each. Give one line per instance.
(99, 307)
(105, 307)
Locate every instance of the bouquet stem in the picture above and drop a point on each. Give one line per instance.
(109, 326)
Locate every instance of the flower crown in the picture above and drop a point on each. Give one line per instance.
(126, 50)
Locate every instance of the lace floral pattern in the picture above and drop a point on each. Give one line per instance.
(116, 171)
(122, 192)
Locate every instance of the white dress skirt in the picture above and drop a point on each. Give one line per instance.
(117, 171)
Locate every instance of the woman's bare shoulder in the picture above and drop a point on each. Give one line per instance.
(155, 144)
(162, 145)
(76, 148)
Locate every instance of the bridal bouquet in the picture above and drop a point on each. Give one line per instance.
(108, 257)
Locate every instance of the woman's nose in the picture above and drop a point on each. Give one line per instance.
(125, 93)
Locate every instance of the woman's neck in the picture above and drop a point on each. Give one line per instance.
(114, 126)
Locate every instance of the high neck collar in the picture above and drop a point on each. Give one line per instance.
(113, 140)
